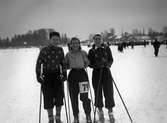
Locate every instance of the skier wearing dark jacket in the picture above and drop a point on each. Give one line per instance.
(156, 44)
(52, 59)
(101, 59)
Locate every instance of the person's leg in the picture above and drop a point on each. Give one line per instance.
(83, 83)
(58, 114)
(156, 52)
(50, 115)
(97, 86)
(73, 90)
(86, 106)
(58, 98)
(48, 101)
(108, 89)
(108, 92)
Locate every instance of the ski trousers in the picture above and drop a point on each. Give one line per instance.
(74, 78)
(53, 90)
(102, 82)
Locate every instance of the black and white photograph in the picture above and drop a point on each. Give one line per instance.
(83, 61)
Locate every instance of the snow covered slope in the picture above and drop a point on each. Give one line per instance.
(140, 77)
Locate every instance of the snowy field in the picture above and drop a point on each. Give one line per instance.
(140, 78)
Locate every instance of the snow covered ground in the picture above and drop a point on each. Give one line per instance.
(140, 78)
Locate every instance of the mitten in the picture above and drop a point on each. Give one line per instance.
(40, 79)
(63, 76)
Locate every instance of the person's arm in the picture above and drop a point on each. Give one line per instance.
(110, 57)
(86, 60)
(67, 61)
(91, 58)
(38, 66)
(64, 66)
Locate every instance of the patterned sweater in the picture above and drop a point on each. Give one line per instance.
(51, 57)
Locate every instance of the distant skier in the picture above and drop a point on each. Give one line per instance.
(156, 44)
(52, 57)
(77, 61)
(101, 59)
(120, 47)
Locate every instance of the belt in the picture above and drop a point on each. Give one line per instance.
(77, 69)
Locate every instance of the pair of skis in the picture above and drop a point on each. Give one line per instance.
(112, 120)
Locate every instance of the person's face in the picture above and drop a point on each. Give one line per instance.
(97, 40)
(55, 40)
(75, 44)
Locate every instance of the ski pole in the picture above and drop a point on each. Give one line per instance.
(64, 98)
(68, 102)
(123, 101)
(66, 109)
(40, 104)
(97, 93)
(90, 92)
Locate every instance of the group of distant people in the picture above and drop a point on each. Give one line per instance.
(156, 45)
(51, 70)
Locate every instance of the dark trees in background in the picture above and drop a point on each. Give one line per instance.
(35, 38)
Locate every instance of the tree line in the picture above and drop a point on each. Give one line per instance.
(40, 38)
(35, 38)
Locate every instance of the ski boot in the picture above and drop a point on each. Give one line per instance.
(76, 119)
(101, 115)
(57, 118)
(111, 117)
(88, 119)
(51, 119)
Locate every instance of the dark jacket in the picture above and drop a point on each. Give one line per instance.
(100, 57)
(156, 44)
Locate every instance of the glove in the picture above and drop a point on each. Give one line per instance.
(108, 65)
(40, 79)
(103, 63)
(63, 76)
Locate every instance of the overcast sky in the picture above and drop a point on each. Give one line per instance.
(80, 17)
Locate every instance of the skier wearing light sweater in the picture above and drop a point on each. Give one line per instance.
(77, 61)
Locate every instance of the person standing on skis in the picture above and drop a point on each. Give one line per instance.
(77, 61)
(51, 57)
(101, 59)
